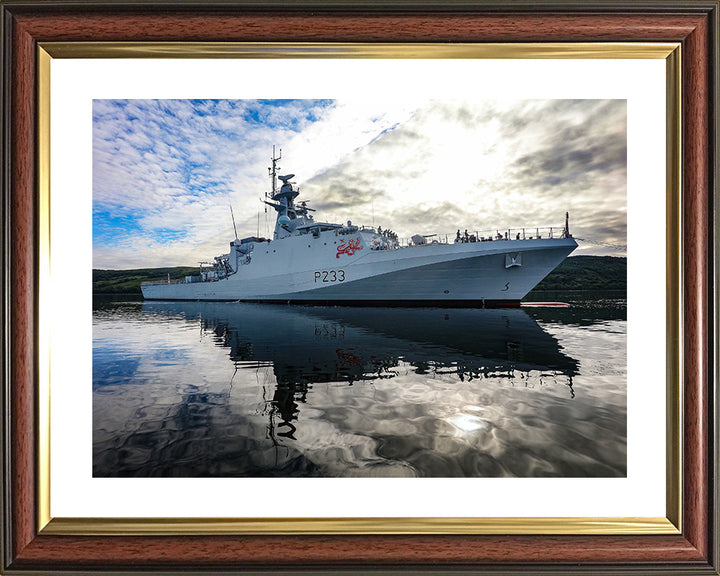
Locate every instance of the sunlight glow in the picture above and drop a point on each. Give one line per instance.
(166, 171)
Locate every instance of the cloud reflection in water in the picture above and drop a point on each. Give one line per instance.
(227, 389)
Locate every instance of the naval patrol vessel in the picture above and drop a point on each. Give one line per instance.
(308, 261)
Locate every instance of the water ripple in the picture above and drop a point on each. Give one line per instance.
(193, 389)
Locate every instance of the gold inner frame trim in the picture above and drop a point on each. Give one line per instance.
(567, 50)
(357, 525)
(673, 311)
(44, 361)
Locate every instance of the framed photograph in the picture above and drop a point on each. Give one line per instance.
(478, 336)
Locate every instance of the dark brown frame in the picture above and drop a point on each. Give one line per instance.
(692, 23)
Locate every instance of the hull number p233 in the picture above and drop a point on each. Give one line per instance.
(329, 276)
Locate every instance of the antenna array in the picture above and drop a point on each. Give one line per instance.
(272, 172)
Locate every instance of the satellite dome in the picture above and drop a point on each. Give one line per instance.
(284, 221)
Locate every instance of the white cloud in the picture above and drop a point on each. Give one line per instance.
(416, 167)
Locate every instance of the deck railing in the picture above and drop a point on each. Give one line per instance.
(492, 235)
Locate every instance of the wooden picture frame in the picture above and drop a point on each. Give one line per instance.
(29, 546)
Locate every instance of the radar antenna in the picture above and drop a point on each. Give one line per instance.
(272, 172)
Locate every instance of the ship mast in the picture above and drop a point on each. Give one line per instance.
(273, 173)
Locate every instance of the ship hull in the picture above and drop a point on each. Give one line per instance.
(472, 274)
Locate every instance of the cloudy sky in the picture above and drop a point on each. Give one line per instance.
(165, 172)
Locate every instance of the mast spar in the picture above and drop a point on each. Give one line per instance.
(272, 172)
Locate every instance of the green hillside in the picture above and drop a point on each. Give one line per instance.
(587, 273)
(128, 281)
(576, 273)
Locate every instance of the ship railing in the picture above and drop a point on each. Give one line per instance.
(496, 235)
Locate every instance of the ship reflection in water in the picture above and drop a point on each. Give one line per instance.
(227, 389)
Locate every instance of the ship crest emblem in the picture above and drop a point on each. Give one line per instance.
(348, 247)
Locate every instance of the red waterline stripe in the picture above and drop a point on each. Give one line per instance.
(544, 304)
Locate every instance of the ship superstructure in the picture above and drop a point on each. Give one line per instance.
(315, 262)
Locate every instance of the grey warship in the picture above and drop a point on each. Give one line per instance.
(310, 261)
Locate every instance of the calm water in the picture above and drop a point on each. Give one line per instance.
(228, 389)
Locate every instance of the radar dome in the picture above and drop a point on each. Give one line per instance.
(284, 221)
